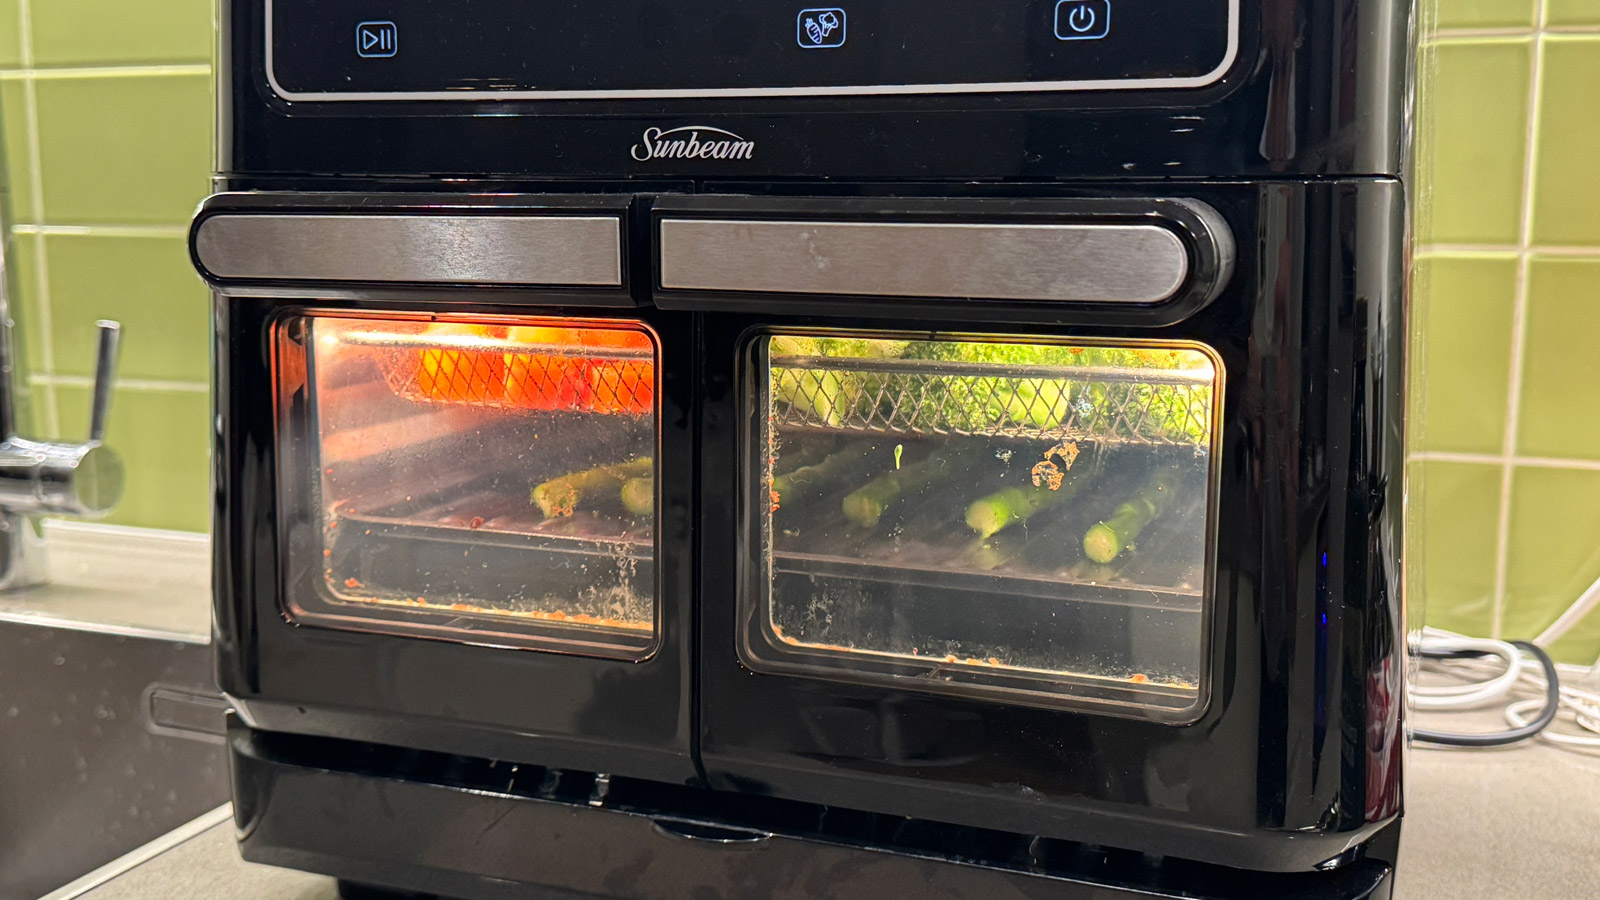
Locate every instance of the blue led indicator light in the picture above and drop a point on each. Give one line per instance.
(820, 29)
(377, 40)
(1083, 20)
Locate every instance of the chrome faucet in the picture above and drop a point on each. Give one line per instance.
(42, 478)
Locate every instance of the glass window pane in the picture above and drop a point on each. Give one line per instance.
(484, 481)
(987, 516)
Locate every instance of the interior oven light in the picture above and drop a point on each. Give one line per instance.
(530, 367)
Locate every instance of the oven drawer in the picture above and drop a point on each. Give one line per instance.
(354, 812)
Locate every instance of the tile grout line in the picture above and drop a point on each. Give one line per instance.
(32, 73)
(1506, 250)
(1512, 31)
(41, 256)
(1519, 325)
(105, 230)
(131, 384)
(1496, 459)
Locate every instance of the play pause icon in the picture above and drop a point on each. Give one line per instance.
(376, 39)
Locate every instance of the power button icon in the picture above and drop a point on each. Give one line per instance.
(1083, 20)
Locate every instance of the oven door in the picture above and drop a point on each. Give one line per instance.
(1009, 552)
(455, 505)
(1017, 520)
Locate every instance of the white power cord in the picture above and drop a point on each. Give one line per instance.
(1472, 659)
(1469, 694)
(1465, 659)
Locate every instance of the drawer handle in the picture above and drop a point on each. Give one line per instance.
(715, 834)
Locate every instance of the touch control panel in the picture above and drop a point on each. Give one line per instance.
(577, 49)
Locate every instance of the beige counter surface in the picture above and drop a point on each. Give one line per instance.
(131, 581)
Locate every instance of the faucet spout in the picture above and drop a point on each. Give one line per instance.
(39, 478)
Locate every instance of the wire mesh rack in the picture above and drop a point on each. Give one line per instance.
(500, 375)
(912, 397)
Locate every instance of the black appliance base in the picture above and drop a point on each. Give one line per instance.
(431, 824)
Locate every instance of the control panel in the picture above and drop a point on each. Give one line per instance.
(594, 49)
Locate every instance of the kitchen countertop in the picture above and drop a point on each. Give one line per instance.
(136, 582)
(1513, 823)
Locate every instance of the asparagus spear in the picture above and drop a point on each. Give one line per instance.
(808, 480)
(792, 454)
(639, 495)
(561, 496)
(866, 505)
(1106, 540)
(1012, 505)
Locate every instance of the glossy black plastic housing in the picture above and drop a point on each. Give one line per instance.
(1316, 89)
(353, 811)
(624, 717)
(1296, 760)
(481, 50)
(1205, 237)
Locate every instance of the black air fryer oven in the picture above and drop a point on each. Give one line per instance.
(946, 449)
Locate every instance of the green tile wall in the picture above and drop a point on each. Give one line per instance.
(1505, 515)
(1468, 360)
(131, 149)
(1560, 407)
(1567, 180)
(145, 282)
(1570, 13)
(1453, 520)
(106, 32)
(105, 111)
(1486, 13)
(1482, 90)
(10, 34)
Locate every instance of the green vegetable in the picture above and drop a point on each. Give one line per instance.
(1173, 412)
(1004, 508)
(814, 479)
(866, 505)
(639, 495)
(1107, 540)
(826, 394)
(978, 402)
(561, 496)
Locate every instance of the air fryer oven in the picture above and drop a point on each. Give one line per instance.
(777, 451)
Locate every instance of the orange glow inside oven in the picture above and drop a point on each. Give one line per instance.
(530, 367)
